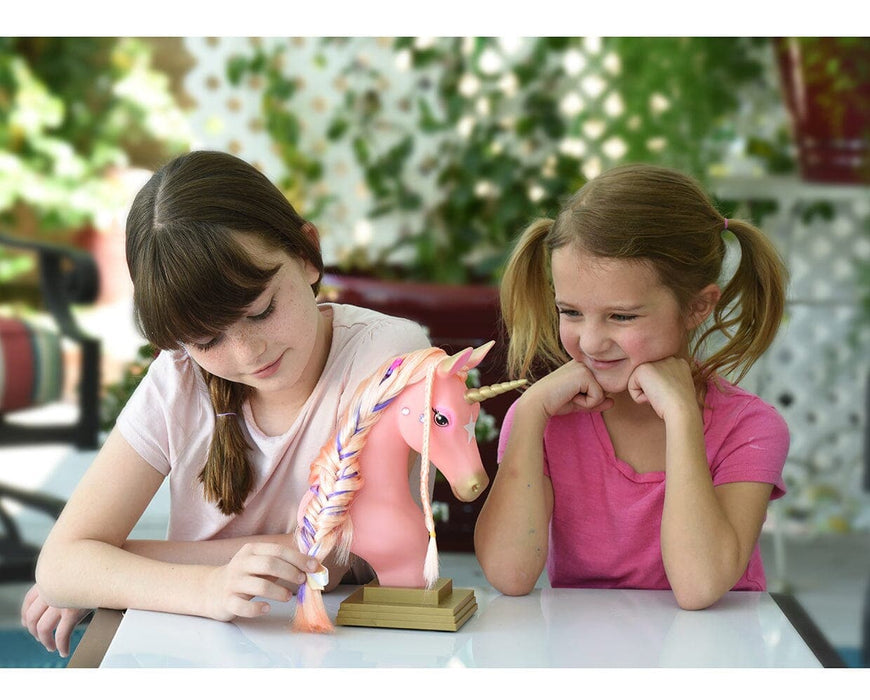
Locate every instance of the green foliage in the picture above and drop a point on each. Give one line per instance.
(486, 148)
(70, 108)
(12, 267)
(680, 92)
(115, 396)
(488, 136)
(281, 122)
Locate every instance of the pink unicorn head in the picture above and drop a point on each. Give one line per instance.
(359, 500)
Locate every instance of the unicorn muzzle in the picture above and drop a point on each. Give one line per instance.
(471, 488)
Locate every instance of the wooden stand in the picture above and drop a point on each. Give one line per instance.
(440, 608)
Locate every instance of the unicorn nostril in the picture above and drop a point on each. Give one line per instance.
(471, 488)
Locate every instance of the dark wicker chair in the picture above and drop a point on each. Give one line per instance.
(31, 374)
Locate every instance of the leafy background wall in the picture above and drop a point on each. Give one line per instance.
(340, 106)
(416, 148)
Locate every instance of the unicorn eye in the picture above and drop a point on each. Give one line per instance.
(440, 419)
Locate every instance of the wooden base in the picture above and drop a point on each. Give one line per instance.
(441, 608)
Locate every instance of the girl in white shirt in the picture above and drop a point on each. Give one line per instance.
(249, 384)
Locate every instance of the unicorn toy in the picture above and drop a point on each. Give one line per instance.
(359, 500)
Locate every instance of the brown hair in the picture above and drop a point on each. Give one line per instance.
(665, 219)
(192, 278)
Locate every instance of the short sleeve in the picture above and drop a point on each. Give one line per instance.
(391, 337)
(754, 447)
(163, 418)
(504, 433)
(505, 430)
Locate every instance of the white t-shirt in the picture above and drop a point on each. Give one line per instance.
(169, 421)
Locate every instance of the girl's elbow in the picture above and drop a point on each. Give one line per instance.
(510, 580)
(51, 575)
(510, 572)
(697, 596)
(694, 602)
(700, 586)
(513, 586)
(46, 579)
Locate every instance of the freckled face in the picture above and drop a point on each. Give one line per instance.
(614, 315)
(274, 346)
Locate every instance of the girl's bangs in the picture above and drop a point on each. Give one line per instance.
(196, 287)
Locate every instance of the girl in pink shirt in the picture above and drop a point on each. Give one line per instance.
(251, 381)
(632, 462)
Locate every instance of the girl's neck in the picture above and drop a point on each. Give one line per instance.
(636, 433)
(629, 410)
(275, 412)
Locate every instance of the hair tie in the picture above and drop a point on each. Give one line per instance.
(224, 414)
(726, 225)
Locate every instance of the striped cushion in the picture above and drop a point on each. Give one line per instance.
(31, 365)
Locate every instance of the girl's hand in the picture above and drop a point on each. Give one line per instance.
(568, 389)
(258, 569)
(664, 384)
(50, 626)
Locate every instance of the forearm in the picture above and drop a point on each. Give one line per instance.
(91, 574)
(219, 552)
(215, 552)
(700, 548)
(511, 535)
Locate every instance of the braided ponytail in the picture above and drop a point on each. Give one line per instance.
(227, 476)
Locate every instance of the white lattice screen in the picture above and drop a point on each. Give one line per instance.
(228, 117)
(816, 373)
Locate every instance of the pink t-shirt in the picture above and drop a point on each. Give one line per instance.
(605, 529)
(169, 421)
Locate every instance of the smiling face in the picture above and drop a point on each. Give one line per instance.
(614, 315)
(277, 343)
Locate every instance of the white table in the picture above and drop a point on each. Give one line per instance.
(548, 628)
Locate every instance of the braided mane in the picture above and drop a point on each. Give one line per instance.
(323, 522)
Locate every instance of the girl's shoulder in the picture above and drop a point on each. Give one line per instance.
(362, 340)
(747, 439)
(364, 332)
(172, 374)
(169, 414)
(728, 405)
(173, 363)
(360, 320)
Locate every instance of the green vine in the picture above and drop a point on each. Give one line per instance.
(479, 136)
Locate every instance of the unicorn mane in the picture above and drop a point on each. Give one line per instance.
(323, 522)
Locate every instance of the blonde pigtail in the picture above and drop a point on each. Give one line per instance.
(750, 310)
(528, 305)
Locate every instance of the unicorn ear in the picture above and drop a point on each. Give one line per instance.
(478, 355)
(464, 360)
(454, 363)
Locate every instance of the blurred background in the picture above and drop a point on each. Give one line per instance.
(420, 160)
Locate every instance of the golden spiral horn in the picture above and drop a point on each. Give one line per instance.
(487, 392)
